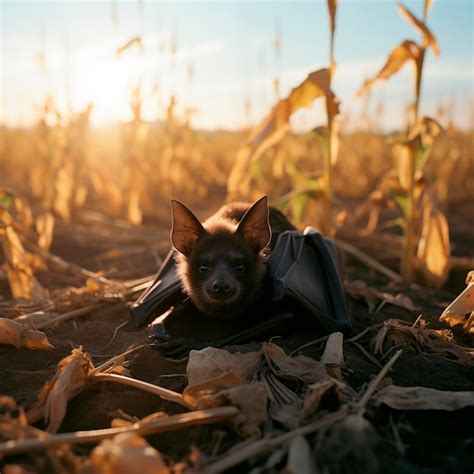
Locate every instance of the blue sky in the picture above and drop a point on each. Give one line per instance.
(229, 47)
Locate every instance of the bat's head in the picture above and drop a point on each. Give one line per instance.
(222, 263)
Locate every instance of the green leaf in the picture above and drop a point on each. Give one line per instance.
(401, 199)
(6, 199)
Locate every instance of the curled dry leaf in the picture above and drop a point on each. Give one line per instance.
(127, 453)
(461, 310)
(333, 355)
(434, 248)
(422, 398)
(69, 380)
(23, 283)
(231, 388)
(395, 332)
(252, 400)
(317, 390)
(210, 363)
(15, 334)
(274, 127)
(294, 368)
(406, 51)
(207, 394)
(428, 37)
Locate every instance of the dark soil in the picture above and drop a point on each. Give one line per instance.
(435, 442)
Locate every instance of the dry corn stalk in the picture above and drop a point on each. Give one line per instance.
(23, 283)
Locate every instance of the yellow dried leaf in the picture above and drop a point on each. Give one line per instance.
(406, 51)
(428, 129)
(127, 453)
(274, 127)
(45, 228)
(434, 248)
(15, 334)
(69, 380)
(423, 398)
(461, 310)
(428, 37)
(209, 363)
(22, 282)
(301, 368)
(207, 394)
(136, 40)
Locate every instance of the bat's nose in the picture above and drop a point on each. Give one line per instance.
(221, 286)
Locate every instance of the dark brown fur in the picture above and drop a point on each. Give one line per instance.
(230, 249)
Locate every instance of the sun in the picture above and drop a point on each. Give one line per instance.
(107, 84)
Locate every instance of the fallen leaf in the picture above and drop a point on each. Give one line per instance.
(69, 380)
(318, 390)
(428, 37)
(15, 334)
(252, 400)
(406, 51)
(289, 415)
(461, 310)
(297, 368)
(210, 363)
(423, 398)
(127, 453)
(207, 394)
(395, 332)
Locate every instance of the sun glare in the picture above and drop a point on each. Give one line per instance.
(107, 86)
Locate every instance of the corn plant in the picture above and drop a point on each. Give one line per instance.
(426, 231)
(276, 125)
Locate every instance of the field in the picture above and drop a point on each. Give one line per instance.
(85, 223)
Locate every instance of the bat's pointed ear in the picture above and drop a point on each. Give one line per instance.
(255, 226)
(186, 228)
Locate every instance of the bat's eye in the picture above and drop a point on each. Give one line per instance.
(239, 267)
(203, 267)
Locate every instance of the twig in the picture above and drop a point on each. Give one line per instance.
(171, 423)
(266, 444)
(145, 386)
(462, 263)
(309, 344)
(75, 313)
(368, 261)
(376, 381)
(365, 331)
(63, 265)
(111, 362)
(120, 326)
(367, 354)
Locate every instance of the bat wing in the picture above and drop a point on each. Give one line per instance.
(161, 295)
(306, 269)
